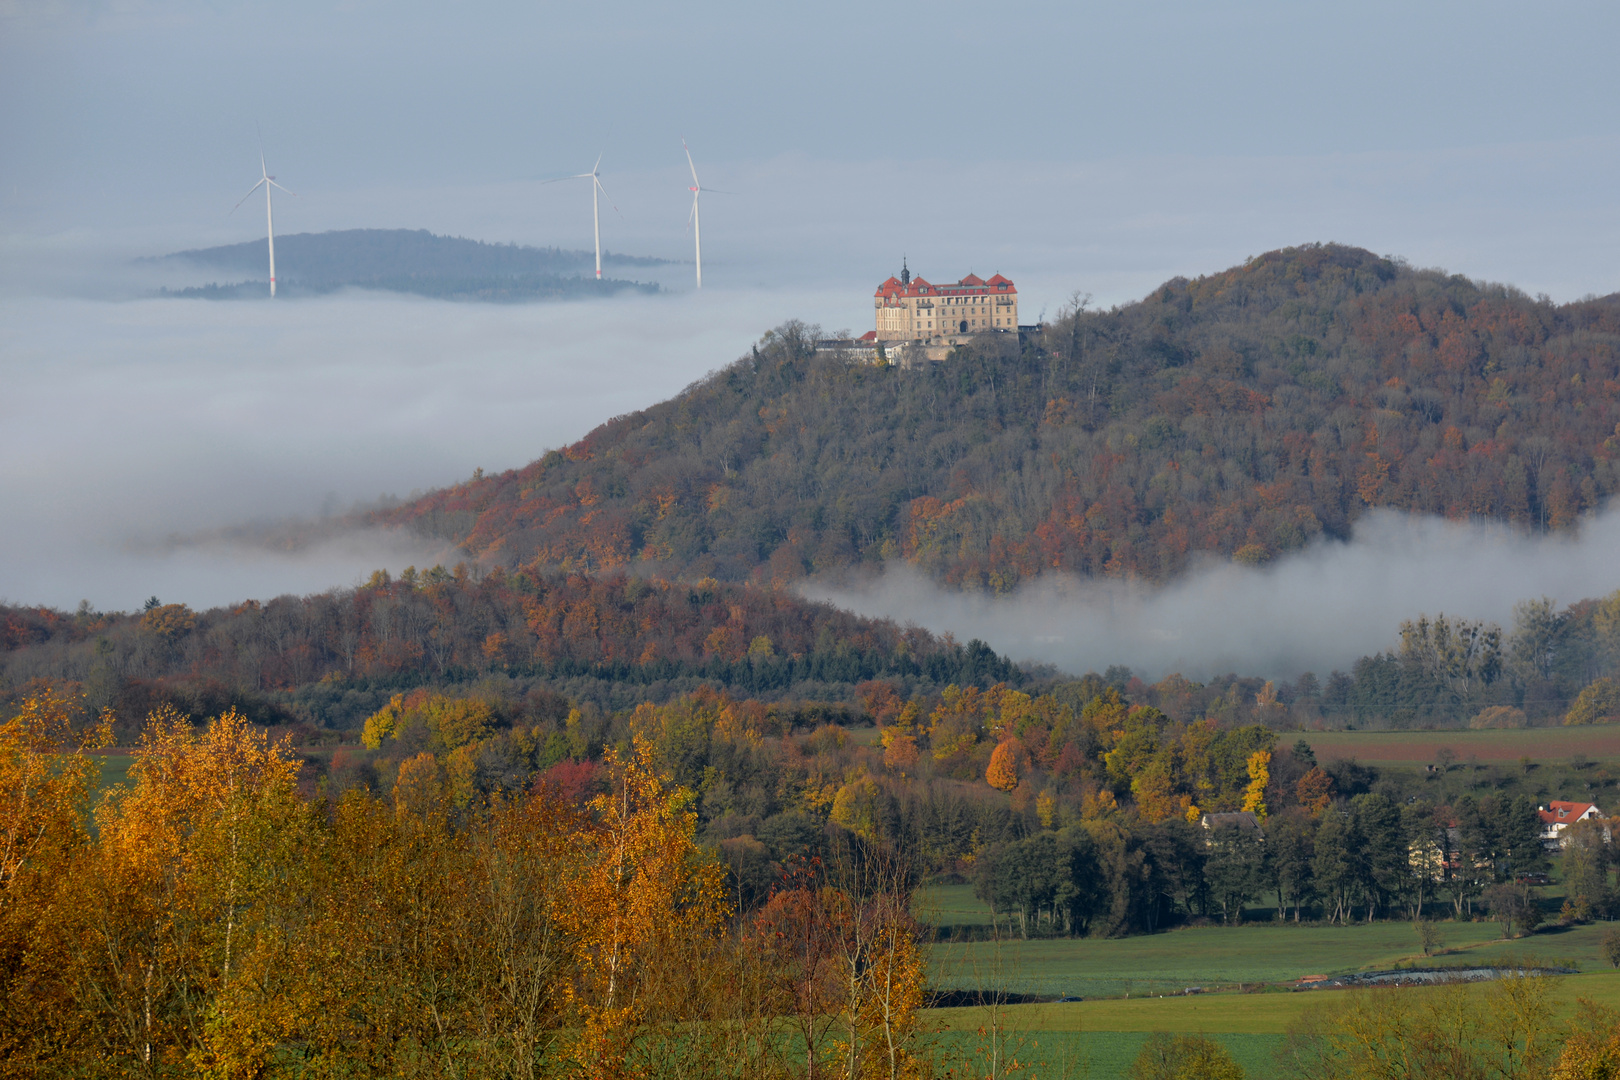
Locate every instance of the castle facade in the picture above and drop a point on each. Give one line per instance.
(910, 309)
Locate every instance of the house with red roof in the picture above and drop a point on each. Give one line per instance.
(1557, 816)
(912, 310)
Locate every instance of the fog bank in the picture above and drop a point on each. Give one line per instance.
(123, 425)
(1316, 610)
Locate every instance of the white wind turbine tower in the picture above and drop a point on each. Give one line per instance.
(697, 189)
(267, 182)
(597, 189)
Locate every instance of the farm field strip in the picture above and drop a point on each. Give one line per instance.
(1229, 957)
(1102, 1038)
(1252, 1014)
(1599, 742)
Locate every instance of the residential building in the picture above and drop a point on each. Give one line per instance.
(1243, 820)
(1557, 816)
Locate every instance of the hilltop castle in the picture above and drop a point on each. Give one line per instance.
(910, 309)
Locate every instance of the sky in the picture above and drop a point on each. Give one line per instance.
(1072, 146)
(1078, 148)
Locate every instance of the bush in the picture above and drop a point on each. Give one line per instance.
(1611, 947)
(1184, 1057)
(1498, 716)
(1513, 906)
(1599, 703)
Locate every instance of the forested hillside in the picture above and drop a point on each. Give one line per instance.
(608, 641)
(413, 261)
(1243, 414)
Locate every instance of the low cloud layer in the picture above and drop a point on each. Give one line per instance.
(123, 425)
(1316, 610)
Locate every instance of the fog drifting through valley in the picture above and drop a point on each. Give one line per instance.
(1315, 610)
(132, 433)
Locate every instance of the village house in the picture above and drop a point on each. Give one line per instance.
(1242, 820)
(1557, 816)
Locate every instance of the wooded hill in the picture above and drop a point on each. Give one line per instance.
(1243, 413)
(413, 261)
(607, 641)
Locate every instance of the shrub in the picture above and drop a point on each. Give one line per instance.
(1599, 703)
(1184, 1057)
(1498, 716)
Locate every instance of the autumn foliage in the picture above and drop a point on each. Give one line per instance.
(209, 919)
(1243, 413)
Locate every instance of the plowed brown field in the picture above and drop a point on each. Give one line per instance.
(1420, 748)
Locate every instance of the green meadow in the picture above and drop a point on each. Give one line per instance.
(114, 768)
(1099, 1039)
(1219, 957)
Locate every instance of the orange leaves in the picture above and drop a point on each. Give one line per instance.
(169, 620)
(1003, 771)
(899, 750)
(45, 781)
(725, 643)
(1371, 480)
(645, 885)
(1315, 790)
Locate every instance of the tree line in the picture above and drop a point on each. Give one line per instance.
(613, 641)
(1363, 859)
(332, 658)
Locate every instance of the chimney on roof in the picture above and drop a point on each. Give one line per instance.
(905, 274)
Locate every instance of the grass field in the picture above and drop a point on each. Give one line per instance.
(1216, 956)
(1209, 957)
(114, 768)
(1107, 1035)
(1415, 749)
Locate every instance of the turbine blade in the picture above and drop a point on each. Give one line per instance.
(693, 214)
(608, 197)
(272, 182)
(244, 198)
(695, 181)
(576, 176)
(597, 167)
(715, 191)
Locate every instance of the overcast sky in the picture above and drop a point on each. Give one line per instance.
(1073, 147)
(1100, 147)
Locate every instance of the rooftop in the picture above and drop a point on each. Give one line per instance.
(972, 285)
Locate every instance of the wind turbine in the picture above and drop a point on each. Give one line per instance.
(697, 189)
(595, 178)
(267, 182)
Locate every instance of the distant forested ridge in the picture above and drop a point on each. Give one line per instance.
(330, 658)
(413, 261)
(1243, 413)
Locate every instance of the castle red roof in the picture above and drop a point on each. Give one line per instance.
(972, 284)
(870, 335)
